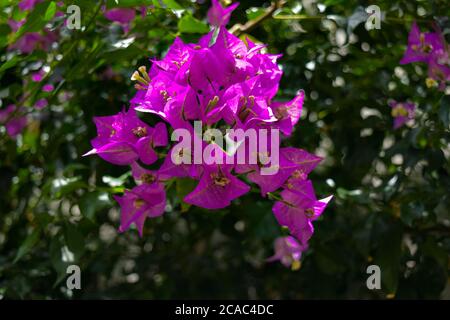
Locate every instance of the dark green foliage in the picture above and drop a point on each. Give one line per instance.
(391, 205)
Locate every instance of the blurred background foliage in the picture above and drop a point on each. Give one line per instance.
(391, 205)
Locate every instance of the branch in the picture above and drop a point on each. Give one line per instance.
(239, 29)
(331, 17)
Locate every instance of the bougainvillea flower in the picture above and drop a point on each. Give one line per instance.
(144, 9)
(123, 138)
(171, 169)
(145, 200)
(288, 113)
(38, 76)
(33, 40)
(422, 45)
(299, 208)
(109, 144)
(16, 125)
(28, 4)
(293, 164)
(48, 88)
(304, 162)
(13, 120)
(168, 102)
(122, 16)
(28, 42)
(176, 56)
(288, 251)
(439, 70)
(15, 25)
(244, 108)
(270, 74)
(41, 103)
(6, 113)
(217, 188)
(268, 183)
(219, 16)
(402, 112)
(156, 137)
(116, 152)
(235, 45)
(142, 175)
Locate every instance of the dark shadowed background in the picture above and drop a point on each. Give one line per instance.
(391, 187)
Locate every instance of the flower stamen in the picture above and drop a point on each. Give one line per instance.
(220, 180)
(136, 76)
(148, 178)
(140, 132)
(143, 71)
(138, 203)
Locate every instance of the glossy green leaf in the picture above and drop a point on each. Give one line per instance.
(188, 24)
(31, 240)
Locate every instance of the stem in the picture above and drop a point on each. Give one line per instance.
(239, 29)
(298, 17)
(278, 198)
(306, 17)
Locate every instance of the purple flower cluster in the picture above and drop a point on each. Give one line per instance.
(31, 41)
(25, 5)
(224, 83)
(123, 16)
(15, 117)
(431, 48)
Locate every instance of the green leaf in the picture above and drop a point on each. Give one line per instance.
(57, 260)
(9, 64)
(184, 187)
(63, 186)
(28, 244)
(116, 182)
(253, 13)
(91, 202)
(188, 24)
(34, 22)
(167, 4)
(74, 240)
(121, 54)
(127, 3)
(328, 260)
(411, 211)
(444, 111)
(171, 4)
(432, 249)
(4, 31)
(388, 255)
(50, 12)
